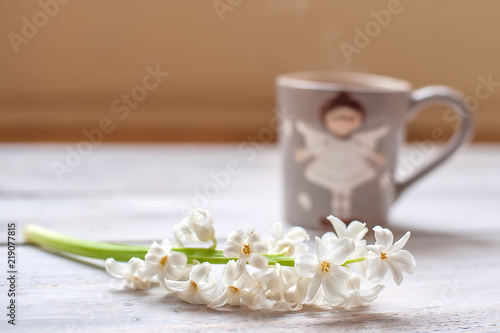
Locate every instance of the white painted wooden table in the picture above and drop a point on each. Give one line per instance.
(135, 193)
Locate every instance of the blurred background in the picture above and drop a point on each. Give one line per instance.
(66, 65)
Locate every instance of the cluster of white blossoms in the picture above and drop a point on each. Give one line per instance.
(270, 272)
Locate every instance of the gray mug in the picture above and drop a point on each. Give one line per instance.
(340, 139)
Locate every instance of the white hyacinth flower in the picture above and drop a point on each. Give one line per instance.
(289, 244)
(235, 292)
(197, 227)
(355, 230)
(202, 223)
(298, 295)
(358, 297)
(130, 272)
(200, 288)
(326, 270)
(162, 261)
(385, 255)
(276, 280)
(249, 247)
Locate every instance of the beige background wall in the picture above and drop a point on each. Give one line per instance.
(220, 87)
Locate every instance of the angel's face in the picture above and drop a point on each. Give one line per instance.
(343, 120)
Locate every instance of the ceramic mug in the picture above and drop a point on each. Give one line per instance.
(340, 139)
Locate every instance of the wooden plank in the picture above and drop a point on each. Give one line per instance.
(452, 289)
(133, 193)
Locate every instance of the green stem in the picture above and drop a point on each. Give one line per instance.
(46, 238)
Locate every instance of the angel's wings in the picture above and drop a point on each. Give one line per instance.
(369, 139)
(314, 138)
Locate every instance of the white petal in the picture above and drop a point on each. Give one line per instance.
(152, 257)
(156, 248)
(341, 273)
(405, 259)
(234, 298)
(237, 237)
(176, 285)
(289, 275)
(278, 230)
(376, 269)
(170, 272)
(396, 271)
(117, 270)
(184, 227)
(199, 274)
(138, 284)
(221, 300)
(259, 247)
(200, 298)
(329, 238)
(209, 288)
(161, 280)
(240, 267)
(258, 261)
(285, 246)
(206, 292)
(338, 226)
(187, 295)
(205, 232)
(270, 240)
(383, 236)
(300, 248)
(248, 298)
(231, 250)
(371, 294)
(306, 264)
(377, 249)
(354, 282)
(297, 233)
(200, 217)
(334, 289)
(342, 251)
(134, 265)
(399, 244)
(321, 249)
(265, 276)
(150, 269)
(264, 302)
(253, 237)
(299, 294)
(356, 230)
(314, 286)
(177, 259)
(229, 273)
(360, 250)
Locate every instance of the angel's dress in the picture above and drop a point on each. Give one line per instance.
(340, 165)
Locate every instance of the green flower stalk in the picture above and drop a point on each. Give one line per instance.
(46, 238)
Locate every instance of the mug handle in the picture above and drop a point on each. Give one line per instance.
(443, 95)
